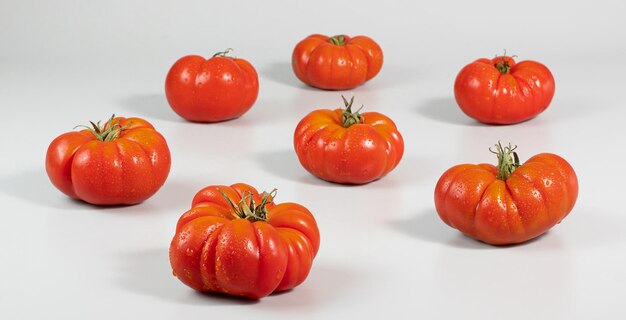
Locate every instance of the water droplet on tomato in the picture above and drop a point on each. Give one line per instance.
(189, 252)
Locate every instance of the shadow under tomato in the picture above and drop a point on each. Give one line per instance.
(325, 286)
(285, 164)
(34, 187)
(427, 226)
(150, 106)
(149, 273)
(281, 72)
(446, 110)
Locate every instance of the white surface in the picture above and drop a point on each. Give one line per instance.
(384, 251)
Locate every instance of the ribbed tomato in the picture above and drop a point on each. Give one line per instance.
(501, 91)
(348, 147)
(336, 63)
(239, 242)
(210, 90)
(510, 203)
(124, 161)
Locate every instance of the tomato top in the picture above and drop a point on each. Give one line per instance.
(210, 90)
(251, 248)
(336, 63)
(508, 203)
(123, 161)
(346, 146)
(503, 91)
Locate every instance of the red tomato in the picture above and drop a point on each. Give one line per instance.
(510, 203)
(220, 88)
(336, 63)
(348, 147)
(500, 91)
(236, 241)
(125, 161)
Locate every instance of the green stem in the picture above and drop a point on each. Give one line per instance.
(503, 65)
(348, 117)
(223, 53)
(339, 40)
(247, 209)
(107, 132)
(508, 160)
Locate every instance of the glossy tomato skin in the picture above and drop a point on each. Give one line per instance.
(486, 94)
(321, 64)
(215, 251)
(127, 170)
(211, 90)
(359, 154)
(537, 196)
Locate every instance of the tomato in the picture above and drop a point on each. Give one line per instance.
(510, 203)
(124, 161)
(210, 90)
(501, 91)
(348, 147)
(239, 242)
(336, 63)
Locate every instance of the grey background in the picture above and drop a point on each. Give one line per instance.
(384, 251)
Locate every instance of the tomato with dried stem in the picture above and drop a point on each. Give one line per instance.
(125, 161)
(508, 203)
(237, 241)
(336, 63)
(210, 90)
(502, 91)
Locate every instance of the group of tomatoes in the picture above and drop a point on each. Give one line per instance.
(239, 241)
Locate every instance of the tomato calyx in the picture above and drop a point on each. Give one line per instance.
(110, 131)
(247, 209)
(348, 117)
(338, 40)
(224, 54)
(504, 65)
(508, 160)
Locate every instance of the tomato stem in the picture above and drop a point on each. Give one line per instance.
(110, 131)
(247, 209)
(348, 117)
(224, 53)
(508, 160)
(503, 65)
(339, 40)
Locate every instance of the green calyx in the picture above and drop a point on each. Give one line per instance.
(339, 40)
(110, 131)
(348, 117)
(247, 209)
(508, 160)
(503, 65)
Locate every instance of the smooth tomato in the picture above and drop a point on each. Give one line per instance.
(336, 63)
(239, 242)
(348, 147)
(510, 203)
(210, 90)
(125, 161)
(501, 91)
